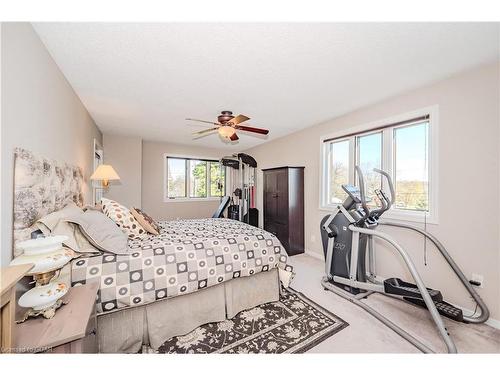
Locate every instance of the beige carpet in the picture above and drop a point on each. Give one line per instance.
(366, 334)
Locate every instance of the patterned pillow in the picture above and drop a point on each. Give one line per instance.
(123, 218)
(146, 221)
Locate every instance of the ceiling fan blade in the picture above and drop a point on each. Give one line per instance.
(253, 130)
(201, 132)
(239, 119)
(234, 137)
(207, 122)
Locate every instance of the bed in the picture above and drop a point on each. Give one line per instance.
(209, 268)
(194, 272)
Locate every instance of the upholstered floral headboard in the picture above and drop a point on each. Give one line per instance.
(41, 186)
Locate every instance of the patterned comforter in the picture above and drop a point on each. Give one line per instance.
(187, 256)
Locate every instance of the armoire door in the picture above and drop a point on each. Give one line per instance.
(281, 196)
(270, 202)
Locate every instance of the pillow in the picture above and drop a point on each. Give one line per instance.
(101, 231)
(123, 218)
(54, 224)
(146, 221)
(48, 222)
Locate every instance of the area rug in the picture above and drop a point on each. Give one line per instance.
(294, 324)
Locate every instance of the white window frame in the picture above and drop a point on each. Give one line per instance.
(394, 213)
(167, 199)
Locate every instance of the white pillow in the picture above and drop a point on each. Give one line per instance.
(122, 216)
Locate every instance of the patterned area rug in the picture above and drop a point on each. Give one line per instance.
(294, 324)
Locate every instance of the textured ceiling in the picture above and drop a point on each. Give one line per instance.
(145, 79)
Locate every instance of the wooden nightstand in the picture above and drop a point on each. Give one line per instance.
(10, 276)
(72, 330)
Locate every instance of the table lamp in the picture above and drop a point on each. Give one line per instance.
(48, 256)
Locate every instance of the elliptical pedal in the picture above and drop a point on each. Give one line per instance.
(402, 288)
(444, 308)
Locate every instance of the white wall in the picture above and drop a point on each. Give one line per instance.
(40, 112)
(468, 180)
(125, 155)
(498, 192)
(153, 180)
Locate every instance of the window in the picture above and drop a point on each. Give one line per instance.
(369, 156)
(404, 147)
(410, 167)
(176, 172)
(197, 179)
(190, 178)
(339, 170)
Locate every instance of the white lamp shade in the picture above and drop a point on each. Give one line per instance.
(46, 254)
(105, 172)
(226, 131)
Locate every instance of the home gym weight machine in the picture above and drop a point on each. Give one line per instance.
(241, 170)
(348, 243)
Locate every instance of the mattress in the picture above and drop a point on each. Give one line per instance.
(187, 256)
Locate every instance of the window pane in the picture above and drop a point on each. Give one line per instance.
(216, 180)
(339, 171)
(176, 178)
(198, 179)
(369, 151)
(411, 167)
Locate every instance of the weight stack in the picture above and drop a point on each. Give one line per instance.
(233, 212)
(253, 217)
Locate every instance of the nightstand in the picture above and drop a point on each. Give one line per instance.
(10, 276)
(72, 330)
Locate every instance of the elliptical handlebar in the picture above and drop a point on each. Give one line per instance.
(361, 181)
(391, 186)
(386, 202)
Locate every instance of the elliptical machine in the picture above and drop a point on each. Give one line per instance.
(348, 243)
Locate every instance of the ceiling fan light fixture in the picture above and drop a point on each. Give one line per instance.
(226, 131)
(227, 125)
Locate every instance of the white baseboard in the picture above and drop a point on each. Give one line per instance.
(490, 322)
(493, 323)
(315, 254)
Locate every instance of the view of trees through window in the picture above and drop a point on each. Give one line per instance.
(411, 167)
(339, 170)
(369, 156)
(408, 165)
(176, 177)
(189, 178)
(198, 179)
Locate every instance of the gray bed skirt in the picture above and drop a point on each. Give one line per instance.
(126, 330)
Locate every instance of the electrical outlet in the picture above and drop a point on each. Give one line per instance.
(313, 238)
(479, 279)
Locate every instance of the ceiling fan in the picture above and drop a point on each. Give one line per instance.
(227, 125)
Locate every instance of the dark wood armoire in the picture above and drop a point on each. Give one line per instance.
(284, 206)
